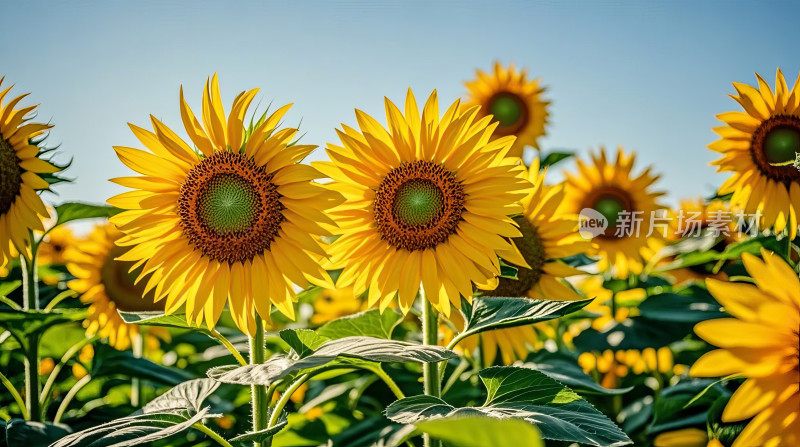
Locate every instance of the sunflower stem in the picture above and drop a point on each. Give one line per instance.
(430, 371)
(136, 383)
(30, 301)
(258, 354)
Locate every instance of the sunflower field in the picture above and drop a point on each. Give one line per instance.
(426, 284)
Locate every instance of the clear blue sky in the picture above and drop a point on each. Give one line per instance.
(647, 75)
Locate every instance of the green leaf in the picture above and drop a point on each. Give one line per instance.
(565, 369)
(27, 433)
(579, 260)
(681, 308)
(522, 393)
(24, 322)
(155, 318)
(261, 435)
(7, 287)
(142, 429)
(182, 397)
(108, 362)
(490, 313)
(555, 157)
(635, 333)
(371, 323)
(482, 431)
(303, 341)
(70, 211)
(369, 349)
(678, 407)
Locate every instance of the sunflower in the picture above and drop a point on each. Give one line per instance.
(426, 202)
(107, 285)
(761, 342)
(21, 209)
(546, 237)
(686, 437)
(756, 146)
(52, 249)
(627, 203)
(233, 221)
(336, 303)
(514, 103)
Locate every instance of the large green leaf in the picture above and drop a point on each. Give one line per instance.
(490, 313)
(482, 431)
(303, 341)
(697, 306)
(27, 433)
(24, 322)
(679, 406)
(109, 362)
(369, 349)
(522, 393)
(67, 212)
(554, 157)
(565, 369)
(371, 323)
(186, 396)
(141, 429)
(7, 287)
(635, 333)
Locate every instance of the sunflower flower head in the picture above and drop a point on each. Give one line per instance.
(22, 173)
(758, 146)
(107, 285)
(235, 219)
(513, 101)
(761, 342)
(628, 204)
(427, 201)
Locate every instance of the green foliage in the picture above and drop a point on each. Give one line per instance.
(479, 431)
(71, 211)
(490, 313)
(371, 323)
(521, 393)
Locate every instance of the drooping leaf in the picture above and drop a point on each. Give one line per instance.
(565, 369)
(361, 348)
(490, 313)
(182, 397)
(28, 433)
(481, 431)
(303, 341)
(67, 212)
(142, 429)
(522, 393)
(369, 324)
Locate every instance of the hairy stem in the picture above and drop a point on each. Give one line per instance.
(430, 371)
(71, 395)
(20, 402)
(227, 343)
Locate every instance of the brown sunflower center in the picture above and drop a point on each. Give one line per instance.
(612, 203)
(509, 111)
(120, 285)
(418, 205)
(532, 250)
(230, 208)
(10, 176)
(777, 141)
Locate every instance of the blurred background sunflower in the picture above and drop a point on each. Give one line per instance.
(513, 101)
(628, 203)
(107, 285)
